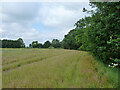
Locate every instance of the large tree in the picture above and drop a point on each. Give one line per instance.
(46, 44)
(56, 43)
(35, 44)
(69, 41)
(21, 43)
(105, 31)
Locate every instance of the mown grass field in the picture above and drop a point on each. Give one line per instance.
(54, 68)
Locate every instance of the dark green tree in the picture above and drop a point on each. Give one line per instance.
(21, 43)
(56, 43)
(46, 44)
(35, 44)
(101, 32)
(13, 43)
(105, 31)
(69, 41)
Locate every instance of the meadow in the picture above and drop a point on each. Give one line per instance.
(54, 68)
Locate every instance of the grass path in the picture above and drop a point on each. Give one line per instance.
(61, 69)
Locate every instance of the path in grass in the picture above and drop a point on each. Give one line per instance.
(57, 69)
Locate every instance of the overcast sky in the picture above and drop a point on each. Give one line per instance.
(39, 21)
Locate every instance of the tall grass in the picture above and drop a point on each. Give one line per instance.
(61, 69)
(111, 74)
(0, 68)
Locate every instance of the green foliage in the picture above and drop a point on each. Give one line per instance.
(12, 43)
(69, 42)
(99, 33)
(51, 47)
(105, 43)
(35, 44)
(56, 43)
(21, 43)
(47, 44)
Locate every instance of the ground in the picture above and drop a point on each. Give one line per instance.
(54, 68)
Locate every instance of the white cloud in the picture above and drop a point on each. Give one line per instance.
(56, 15)
(1, 31)
(61, 14)
(18, 19)
(44, 0)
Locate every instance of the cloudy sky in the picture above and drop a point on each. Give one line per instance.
(39, 21)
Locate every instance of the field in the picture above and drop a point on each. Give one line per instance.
(54, 68)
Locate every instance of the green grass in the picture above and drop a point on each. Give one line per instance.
(54, 68)
(0, 68)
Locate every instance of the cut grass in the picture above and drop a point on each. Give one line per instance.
(58, 68)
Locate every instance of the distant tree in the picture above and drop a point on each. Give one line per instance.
(12, 43)
(56, 43)
(35, 44)
(0, 43)
(39, 45)
(47, 44)
(21, 43)
(30, 45)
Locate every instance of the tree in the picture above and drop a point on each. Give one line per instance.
(21, 43)
(35, 44)
(82, 36)
(39, 45)
(47, 44)
(69, 42)
(12, 43)
(56, 43)
(105, 31)
(102, 32)
(30, 45)
(0, 43)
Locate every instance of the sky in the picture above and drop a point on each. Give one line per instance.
(39, 21)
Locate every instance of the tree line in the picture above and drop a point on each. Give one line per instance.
(12, 43)
(98, 33)
(54, 44)
(20, 44)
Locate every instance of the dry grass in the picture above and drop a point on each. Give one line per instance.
(52, 68)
